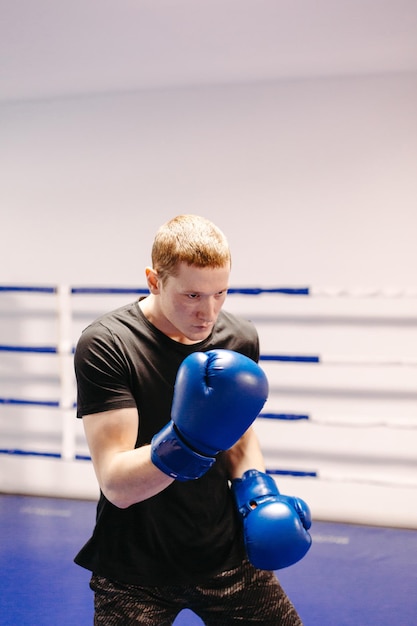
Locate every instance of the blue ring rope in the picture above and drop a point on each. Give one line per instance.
(53, 455)
(56, 404)
(295, 473)
(256, 291)
(289, 417)
(22, 288)
(85, 457)
(41, 349)
(108, 290)
(251, 291)
(288, 358)
(14, 451)
(16, 401)
(284, 358)
(248, 291)
(37, 349)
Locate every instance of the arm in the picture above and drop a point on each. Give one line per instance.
(245, 455)
(187, 446)
(126, 475)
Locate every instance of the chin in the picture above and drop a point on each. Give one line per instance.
(199, 335)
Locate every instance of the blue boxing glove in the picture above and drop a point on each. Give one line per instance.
(275, 527)
(217, 396)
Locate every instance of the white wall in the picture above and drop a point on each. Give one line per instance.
(314, 183)
(300, 173)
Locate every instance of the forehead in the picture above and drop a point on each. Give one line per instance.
(201, 279)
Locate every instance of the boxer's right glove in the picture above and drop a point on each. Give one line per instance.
(275, 527)
(217, 396)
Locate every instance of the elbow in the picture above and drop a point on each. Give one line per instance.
(115, 497)
(116, 494)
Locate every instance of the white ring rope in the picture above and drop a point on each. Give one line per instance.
(361, 422)
(337, 477)
(367, 361)
(356, 421)
(342, 360)
(407, 481)
(389, 293)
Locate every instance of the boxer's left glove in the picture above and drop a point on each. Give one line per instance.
(275, 527)
(217, 396)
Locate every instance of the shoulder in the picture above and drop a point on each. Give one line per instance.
(103, 331)
(113, 321)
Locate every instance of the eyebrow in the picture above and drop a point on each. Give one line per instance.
(203, 293)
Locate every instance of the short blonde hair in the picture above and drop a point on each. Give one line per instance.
(189, 239)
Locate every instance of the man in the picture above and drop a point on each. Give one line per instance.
(167, 388)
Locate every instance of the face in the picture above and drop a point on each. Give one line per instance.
(187, 305)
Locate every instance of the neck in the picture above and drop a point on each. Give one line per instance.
(149, 309)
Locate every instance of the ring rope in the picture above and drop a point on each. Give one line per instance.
(38, 349)
(397, 423)
(323, 476)
(294, 473)
(27, 289)
(334, 360)
(285, 416)
(357, 422)
(365, 361)
(339, 478)
(108, 290)
(328, 292)
(17, 401)
(54, 455)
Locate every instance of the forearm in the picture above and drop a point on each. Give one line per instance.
(244, 455)
(126, 474)
(130, 477)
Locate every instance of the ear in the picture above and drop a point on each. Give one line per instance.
(152, 280)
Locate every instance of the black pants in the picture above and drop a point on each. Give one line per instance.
(243, 595)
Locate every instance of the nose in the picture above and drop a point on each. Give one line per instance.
(207, 311)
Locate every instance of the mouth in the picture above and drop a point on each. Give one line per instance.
(203, 327)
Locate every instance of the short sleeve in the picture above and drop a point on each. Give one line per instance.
(102, 373)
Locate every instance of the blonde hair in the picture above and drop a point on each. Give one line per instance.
(189, 239)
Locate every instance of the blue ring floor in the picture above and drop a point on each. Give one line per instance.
(352, 576)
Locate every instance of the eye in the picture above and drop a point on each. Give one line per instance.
(192, 296)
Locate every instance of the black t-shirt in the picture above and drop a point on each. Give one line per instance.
(190, 530)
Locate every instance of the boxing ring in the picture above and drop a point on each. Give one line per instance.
(339, 427)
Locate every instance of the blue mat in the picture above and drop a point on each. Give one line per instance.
(352, 576)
